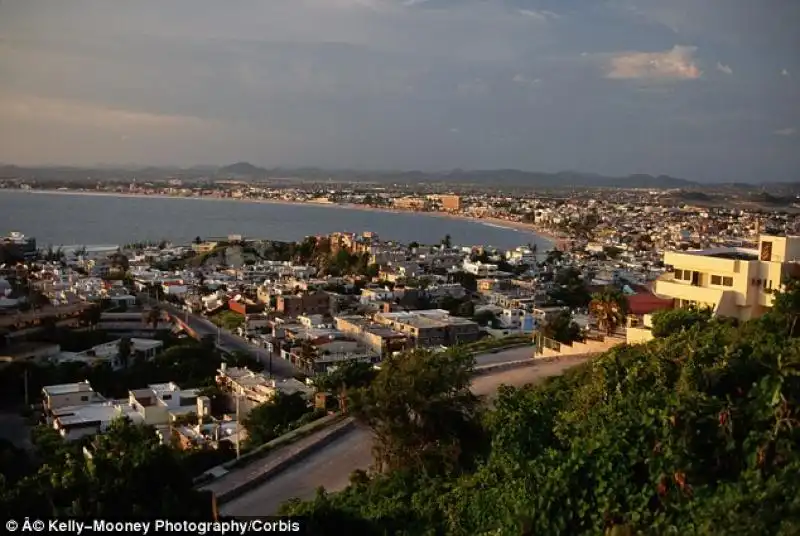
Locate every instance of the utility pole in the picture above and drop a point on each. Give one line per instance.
(25, 380)
(238, 428)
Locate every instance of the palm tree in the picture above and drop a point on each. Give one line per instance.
(609, 307)
(308, 355)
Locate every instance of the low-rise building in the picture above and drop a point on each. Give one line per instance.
(431, 328)
(69, 394)
(733, 282)
(157, 405)
(309, 303)
(254, 388)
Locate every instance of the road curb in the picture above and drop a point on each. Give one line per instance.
(284, 464)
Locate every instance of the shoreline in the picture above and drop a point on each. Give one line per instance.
(544, 235)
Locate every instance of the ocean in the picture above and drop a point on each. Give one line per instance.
(62, 219)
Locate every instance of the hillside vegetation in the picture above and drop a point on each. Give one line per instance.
(693, 433)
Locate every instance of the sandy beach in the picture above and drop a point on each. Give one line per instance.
(497, 222)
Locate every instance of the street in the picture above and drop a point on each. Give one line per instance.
(332, 466)
(229, 342)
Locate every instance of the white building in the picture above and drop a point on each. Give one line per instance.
(69, 394)
(141, 349)
(157, 405)
(478, 268)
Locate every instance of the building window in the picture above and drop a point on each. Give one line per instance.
(166, 397)
(678, 274)
(716, 280)
(84, 399)
(766, 251)
(727, 281)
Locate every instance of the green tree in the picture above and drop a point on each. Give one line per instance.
(609, 307)
(485, 318)
(421, 411)
(351, 375)
(671, 321)
(562, 329)
(130, 474)
(268, 421)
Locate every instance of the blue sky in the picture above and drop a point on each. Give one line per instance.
(702, 89)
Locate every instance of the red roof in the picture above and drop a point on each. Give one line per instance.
(645, 303)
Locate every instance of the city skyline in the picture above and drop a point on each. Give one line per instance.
(702, 92)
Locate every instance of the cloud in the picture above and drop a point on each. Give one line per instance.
(675, 64)
(523, 80)
(473, 88)
(724, 68)
(541, 15)
(26, 108)
(790, 131)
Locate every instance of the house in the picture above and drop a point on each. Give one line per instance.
(157, 405)
(732, 282)
(641, 308)
(140, 350)
(429, 328)
(380, 339)
(253, 388)
(69, 394)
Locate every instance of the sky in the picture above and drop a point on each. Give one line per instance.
(706, 90)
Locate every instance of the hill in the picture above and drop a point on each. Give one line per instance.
(499, 177)
(693, 433)
(242, 169)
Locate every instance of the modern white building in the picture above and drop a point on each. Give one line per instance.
(157, 405)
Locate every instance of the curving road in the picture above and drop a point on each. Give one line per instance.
(331, 467)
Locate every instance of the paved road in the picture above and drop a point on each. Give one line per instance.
(504, 356)
(331, 467)
(232, 343)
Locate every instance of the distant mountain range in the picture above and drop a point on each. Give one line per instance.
(503, 178)
(498, 177)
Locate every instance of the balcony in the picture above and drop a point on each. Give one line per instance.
(686, 291)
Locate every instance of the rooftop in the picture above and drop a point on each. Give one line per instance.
(67, 388)
(94, 414)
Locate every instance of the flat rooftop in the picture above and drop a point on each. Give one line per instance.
(67, 388)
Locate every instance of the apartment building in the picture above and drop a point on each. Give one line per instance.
(450, 203)
(311, 303)
(431, 327)
(378, 338)
(733, 282)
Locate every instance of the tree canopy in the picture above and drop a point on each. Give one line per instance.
(127, 473)
(672, 321)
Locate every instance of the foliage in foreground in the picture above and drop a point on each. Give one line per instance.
(695, 433)
(130, 475)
